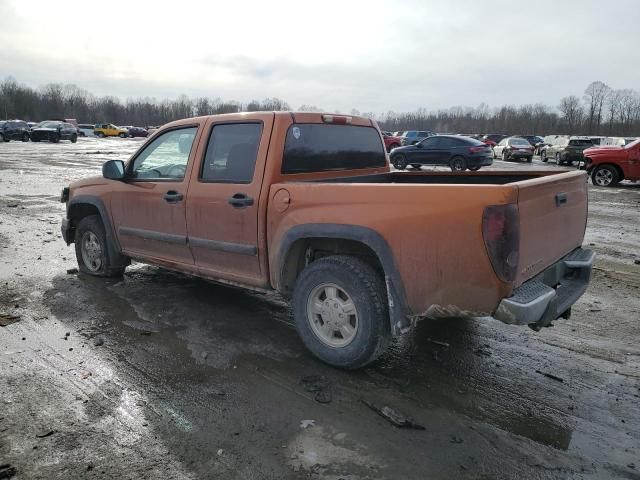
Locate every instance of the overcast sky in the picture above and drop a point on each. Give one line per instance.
(370, 55)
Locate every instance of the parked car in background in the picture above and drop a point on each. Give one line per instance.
(86, 130)
(534, 140)
(109, 130)
(493, 138)
(151, 129)
(513, 148)
(138, 132)
(391, 141)
(411, 137)
(609, 165)
(453, 151)
(566, 150)
(54, 131)
(14, 130)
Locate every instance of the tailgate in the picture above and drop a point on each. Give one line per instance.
(553, 217)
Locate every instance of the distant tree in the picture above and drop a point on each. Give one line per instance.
(595, 96)
(572, 113)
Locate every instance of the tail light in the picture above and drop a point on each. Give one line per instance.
(337, 119)
(501, 233)
(477, 149)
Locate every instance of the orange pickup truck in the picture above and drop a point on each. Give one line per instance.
(306, 204)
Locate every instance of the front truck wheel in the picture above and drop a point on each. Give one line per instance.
(92, 250)
(341, 311)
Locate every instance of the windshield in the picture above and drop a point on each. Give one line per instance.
(632, 144)
(49, 124)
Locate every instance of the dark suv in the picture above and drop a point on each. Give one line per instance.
(14, 130)
(54, 131)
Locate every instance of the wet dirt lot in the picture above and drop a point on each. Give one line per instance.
(159, 375)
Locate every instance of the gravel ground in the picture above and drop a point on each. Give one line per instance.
(158, 375)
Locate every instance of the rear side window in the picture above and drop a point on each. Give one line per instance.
(325, 147)
(231, 153)
(580, 143)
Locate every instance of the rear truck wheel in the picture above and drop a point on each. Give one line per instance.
(25, 137)
(122, 135)
(458, 164)
(341, 311)
(605, 176)
(54, 137)
(475, 168)
(74, 138)
(416, 166)
(92, 250)
(399, 161)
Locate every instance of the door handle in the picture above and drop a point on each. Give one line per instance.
(240, 200)
(561, 199)
(173, 197)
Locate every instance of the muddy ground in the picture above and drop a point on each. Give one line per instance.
(159, 375)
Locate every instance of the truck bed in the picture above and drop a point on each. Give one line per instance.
(435, 232)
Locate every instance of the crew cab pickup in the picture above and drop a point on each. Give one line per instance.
(306, 204)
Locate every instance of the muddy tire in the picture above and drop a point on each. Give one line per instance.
(605, 176)
(399, 161)
(340, 311)
(92, 251)
(458, 164)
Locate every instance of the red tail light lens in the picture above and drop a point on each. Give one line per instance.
(501, 233)
(477, 149)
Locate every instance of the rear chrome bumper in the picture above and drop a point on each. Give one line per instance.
(549, 295)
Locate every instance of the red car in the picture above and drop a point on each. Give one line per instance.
(390, 141)
(609, 165)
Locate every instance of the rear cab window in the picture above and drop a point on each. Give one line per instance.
(314, 147)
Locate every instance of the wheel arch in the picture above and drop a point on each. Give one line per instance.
(617, 168)
(303, 244)
(82, 206)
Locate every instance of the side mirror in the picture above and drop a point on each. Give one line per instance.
(419, 145)
(113, 170)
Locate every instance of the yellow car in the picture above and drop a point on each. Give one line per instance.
(109, 130)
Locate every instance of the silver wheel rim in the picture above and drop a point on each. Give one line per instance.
(332, 315)
(91, 251)
(604, 177)
(457, 164)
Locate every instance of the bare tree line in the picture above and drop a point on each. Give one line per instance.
(600, 111)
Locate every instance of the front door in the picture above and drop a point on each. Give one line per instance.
(222, 207)
(148, 208)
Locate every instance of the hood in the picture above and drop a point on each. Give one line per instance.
(89, 182)
(603, 150)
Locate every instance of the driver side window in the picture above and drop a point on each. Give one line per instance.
(166, 157)
(430, 142)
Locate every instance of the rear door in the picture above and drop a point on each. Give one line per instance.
(553, 216)
(222, 205)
